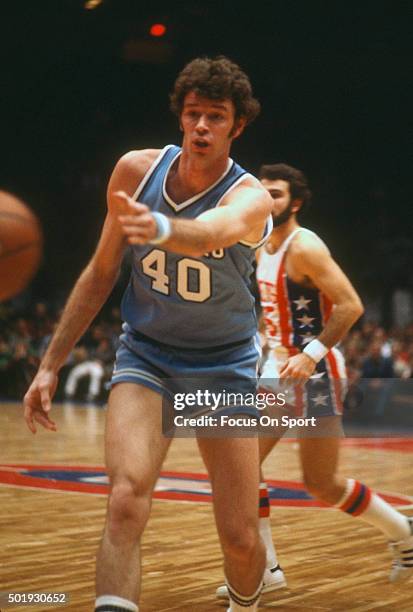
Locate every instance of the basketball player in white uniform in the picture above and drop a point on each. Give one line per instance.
(308, 306)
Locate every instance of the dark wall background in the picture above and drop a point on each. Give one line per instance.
(80, 87)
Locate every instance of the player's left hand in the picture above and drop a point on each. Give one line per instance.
(300, 366)
(138, 223)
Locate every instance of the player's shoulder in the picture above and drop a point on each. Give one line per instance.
(138, 160)
(251, 186)
(251, 182)
(307, 244)
(130, 170)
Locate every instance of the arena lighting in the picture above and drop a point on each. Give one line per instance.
(92, 4)
(157, 29)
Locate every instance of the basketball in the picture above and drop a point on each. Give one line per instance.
(20, 245)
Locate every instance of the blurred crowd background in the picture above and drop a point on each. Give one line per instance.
(370, 350)
(24, 337)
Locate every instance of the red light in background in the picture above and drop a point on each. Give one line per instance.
(157, 29)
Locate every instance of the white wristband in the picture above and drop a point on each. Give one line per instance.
(164, 228)
(316, 350)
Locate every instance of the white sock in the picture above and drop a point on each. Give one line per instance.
(265, 533)
(383, 516)
(359, 500)
(242, 603)
(113, 603)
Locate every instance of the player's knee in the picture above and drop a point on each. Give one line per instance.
(240, 544)
(129, 507)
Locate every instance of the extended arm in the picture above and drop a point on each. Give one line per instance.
(244, 213)
(88, 295)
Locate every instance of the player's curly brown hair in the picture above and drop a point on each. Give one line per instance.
(297, 180)
(216, 78)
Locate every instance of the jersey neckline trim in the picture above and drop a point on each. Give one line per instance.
(282, 249)
(150, 170)
(196, 197)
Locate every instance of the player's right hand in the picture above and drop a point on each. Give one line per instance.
(137, 221)
(38, 400)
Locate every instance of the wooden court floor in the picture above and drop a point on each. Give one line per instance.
(49, 537)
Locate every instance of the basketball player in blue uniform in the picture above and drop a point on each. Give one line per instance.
(194, 219)
(308, 305)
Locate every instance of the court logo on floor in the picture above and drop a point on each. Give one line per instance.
(173, 486)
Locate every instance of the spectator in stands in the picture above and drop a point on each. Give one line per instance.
(370, 351)
(375, 365)
(41, 321)
(401, 365)
(85, 367)
(22, 367)
(20, 333)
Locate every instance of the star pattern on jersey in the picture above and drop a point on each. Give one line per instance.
(306, 321)
(320, 400)
(302, 303)
(306, 338)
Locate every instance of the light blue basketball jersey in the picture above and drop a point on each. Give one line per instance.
(190, 302)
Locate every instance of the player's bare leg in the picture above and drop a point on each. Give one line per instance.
(319, 458)
(135, 449)
(266, 445)
(233, 468)
(273, 576)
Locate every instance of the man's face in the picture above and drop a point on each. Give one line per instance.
(209, 125)
(283, 206)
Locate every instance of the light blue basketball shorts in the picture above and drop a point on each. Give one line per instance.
(168, 370)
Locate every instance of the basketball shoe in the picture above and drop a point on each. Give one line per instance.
(403, 557)
(274, 578)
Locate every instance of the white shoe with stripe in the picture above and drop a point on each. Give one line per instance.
(403, 558)
(274, 579)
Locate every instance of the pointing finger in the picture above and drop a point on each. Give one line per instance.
(135, 206)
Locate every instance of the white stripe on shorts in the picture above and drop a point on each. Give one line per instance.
(140, 374)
